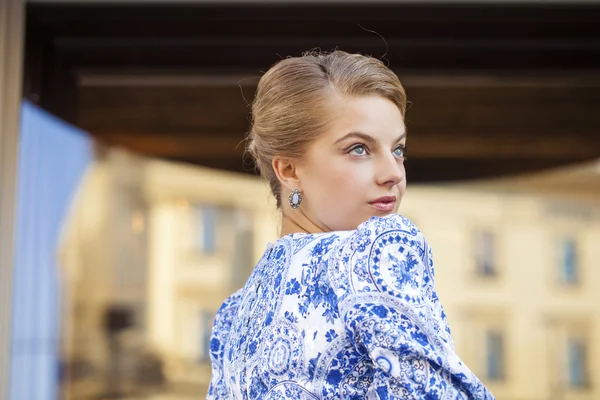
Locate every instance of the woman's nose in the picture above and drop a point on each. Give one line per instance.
(391, 171)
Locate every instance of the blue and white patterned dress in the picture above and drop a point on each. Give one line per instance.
(340, 315)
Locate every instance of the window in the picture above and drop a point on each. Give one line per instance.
(568, 261)
(494, 355)
(209, 224)
(206, 228)
(569, 351)
(243, 250)
(206, 325)
(485, 254)
(576, 362)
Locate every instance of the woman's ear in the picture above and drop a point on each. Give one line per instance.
(285, 170)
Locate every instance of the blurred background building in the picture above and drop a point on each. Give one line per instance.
(151, 251)
(515, 270)
(128, 211)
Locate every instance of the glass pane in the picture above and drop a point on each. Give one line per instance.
(485, 254)
(569, 261)
(576, 362)
(495, 356)
(209, 224)
(53, 160)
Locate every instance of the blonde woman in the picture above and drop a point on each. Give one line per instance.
(343, 305)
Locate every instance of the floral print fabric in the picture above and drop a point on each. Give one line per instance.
(340, 315)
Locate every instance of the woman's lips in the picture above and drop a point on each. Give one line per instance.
(384, 204)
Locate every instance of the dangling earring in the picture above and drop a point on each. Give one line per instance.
(295, 198)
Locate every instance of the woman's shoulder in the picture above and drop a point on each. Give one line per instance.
(385, 231)
(370, 228)
(384, 254)
(377, 230)
(393, 222)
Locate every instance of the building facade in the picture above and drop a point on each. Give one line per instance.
(515, 272)
(150, 251)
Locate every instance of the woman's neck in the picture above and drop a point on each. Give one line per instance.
(298, 223)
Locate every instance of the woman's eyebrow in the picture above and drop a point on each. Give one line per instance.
(360, 135)
(367, 138)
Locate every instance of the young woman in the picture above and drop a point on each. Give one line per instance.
(343, 305)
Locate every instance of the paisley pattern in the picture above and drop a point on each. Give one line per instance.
(340, 315)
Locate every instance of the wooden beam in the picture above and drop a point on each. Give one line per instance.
(422, 170)
(495, 146)
(176, 146)
(159, 109)
(431, 170)
(545, 107)
(421, 145)
(418, 35)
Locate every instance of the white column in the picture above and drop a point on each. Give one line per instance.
(161, 275)
(11, 64)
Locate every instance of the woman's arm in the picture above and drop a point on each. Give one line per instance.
(391, 312)
(218, 389)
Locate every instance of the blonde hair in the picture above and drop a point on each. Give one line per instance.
(291, 104)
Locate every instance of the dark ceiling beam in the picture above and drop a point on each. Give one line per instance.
(81, 43)
(500, 147)
(409, 55)
(535, 110)
(416, 19)
(423, 170)
(457, 129)
(172, 145)
(421, 36)
(449, 146)
(202, 78)
(443, 170)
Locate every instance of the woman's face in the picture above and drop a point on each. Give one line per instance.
(355, 170)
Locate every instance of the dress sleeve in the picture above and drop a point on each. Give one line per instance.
(438, 309)
(388, 304)
(218, 388)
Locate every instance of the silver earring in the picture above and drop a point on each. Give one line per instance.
(295, 198)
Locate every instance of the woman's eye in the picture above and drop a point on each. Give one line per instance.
(400, 151)
(359, 150)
